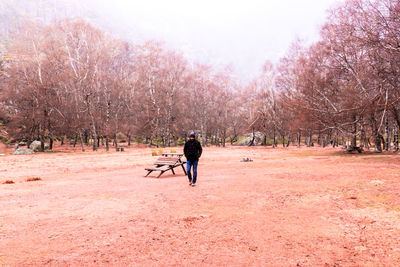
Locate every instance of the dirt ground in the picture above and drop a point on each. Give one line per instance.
(289, 207)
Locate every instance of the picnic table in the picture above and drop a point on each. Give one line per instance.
(167, 162)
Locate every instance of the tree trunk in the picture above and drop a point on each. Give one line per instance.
(336, 142)
(107, 144)
(129, 140)
(264, 142)
(82, 144)
(94, 145)
(396, 138)
(41, 143)
(298, 139)
(378, 142)
(329, 138)
(354, 138)
(309, 140)
(253, 138)
(86, 139)
(233, 139)
(203, 133)
(51, 143)
(387, 134)
(362, 136)
(94, 132)
(75, 140)
(224, 138)
(116, 142)
(28, 143)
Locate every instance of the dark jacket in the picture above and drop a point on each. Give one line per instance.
(192, 150)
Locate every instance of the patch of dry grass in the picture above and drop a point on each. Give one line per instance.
(9, 182)
(158, 152)
(33, 179)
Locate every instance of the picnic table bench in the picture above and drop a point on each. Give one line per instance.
(167, 162)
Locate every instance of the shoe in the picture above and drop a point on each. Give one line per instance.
(190, 183)
(193, 185)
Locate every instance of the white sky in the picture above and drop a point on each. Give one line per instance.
(220, 32)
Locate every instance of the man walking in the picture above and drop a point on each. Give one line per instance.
(192, 151)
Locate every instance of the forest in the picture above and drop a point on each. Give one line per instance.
(68, 79)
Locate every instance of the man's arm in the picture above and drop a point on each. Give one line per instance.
(200, 150)
(185, 149)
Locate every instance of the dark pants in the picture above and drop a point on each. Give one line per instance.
(189, 165)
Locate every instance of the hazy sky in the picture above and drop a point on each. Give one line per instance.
(220, 32)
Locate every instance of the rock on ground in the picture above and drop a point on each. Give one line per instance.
(258, 139)
(23, 151)
(35, 146)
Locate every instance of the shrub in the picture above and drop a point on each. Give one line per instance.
(240, 139)
(9, 182)
(140, 140)
(181, 142)
(4, 139)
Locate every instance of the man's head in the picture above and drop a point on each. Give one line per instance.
(192, 136)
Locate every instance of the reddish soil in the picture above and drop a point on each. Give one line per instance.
(289, 207)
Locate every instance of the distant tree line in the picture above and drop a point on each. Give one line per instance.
(69, 79)
(344, 88)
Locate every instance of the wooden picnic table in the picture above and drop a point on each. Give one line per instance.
(167, 162)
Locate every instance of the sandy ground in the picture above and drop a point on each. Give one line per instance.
(289, 207)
